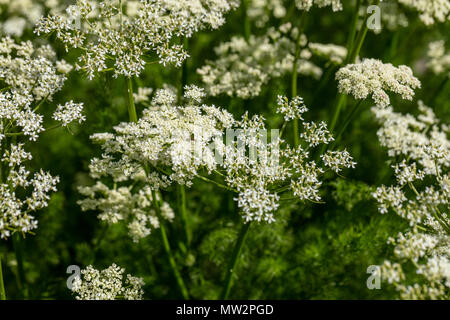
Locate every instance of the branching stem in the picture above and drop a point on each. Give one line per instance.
(234, 258)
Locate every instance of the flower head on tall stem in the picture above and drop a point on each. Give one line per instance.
(112, 37)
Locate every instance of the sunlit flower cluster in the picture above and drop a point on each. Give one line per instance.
(373, 77)
(393, 16)
(421, 197)
(150, 155)
(259, 169)
(244, 67)
(23, 14)
(421, 139)
(173, 143)
(260, 11)
(331, 52)
(117, 204)
(307, 4)
(16, 210)
(111, 38)
(107, 284)
(32, 78)
(439, 62)
(431, 11)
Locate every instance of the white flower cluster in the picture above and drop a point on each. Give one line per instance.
(31, 77)
(151, 154)
(425, 150)
(243, 67)
(393, 17)
(260, 11)
(163, 137)
(439, 62)
(331, 52)
(267, 167)
(23, 14)
(291, 109)
(316, 134)
(431, 11)
(124, 203)
(307, 4)
(421, 139)
(336, 160)
(173, 143)
(142, 95)
(15, 212)
(68, 113)
(373, 77)
(107, 284)
(109, 36)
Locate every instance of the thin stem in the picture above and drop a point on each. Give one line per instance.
(394, 45)
(351, 37)
(131, 107)
(359, 42)
(324, 80)
(182, 79)
(18, 251)
(360, 39)
(183, 214)
(165, 240)
(351, 57)
(347, 121)
(439, 90)
(41, 103)
(2, 284)
(435, 212)
(247, 25)
(295, 73)
(216, 183)
(236, 252)
(16, 134)
(342, 99)
(340, 104)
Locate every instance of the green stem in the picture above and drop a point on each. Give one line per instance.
(351, 37)
(347, 121)
(216, 183)
(165, 240)
(351, 58)
(247, 25)
(17, 244)
(182, 79)
(2, 284)
(183, 214)
(324, 80)
(394, 45)
(439, 90)
(359, 41)
(342, 99)
(340, 104)
(236, 252)
(131, 107)
(295, 73)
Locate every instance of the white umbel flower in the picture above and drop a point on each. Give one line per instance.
(307, 4)
(431, 11)
(107, 284)
(371, 77)
(439, 59)
(109, 35)
(68, 113)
